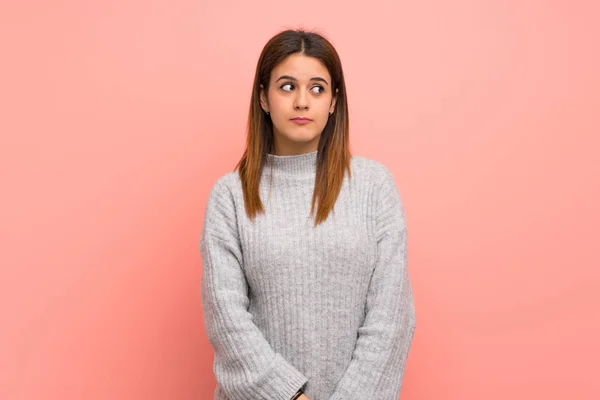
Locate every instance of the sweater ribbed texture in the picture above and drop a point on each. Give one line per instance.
(289, 305)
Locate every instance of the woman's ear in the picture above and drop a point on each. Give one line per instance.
(263, 99)
(333, 101)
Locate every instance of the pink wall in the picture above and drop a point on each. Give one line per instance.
(117, 116)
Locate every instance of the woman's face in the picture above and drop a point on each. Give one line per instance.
(300, 87)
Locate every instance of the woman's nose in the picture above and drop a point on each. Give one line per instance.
(301, 101)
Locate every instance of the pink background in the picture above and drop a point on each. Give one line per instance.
(116, 117)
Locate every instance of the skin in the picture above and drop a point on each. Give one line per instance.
(298, 96)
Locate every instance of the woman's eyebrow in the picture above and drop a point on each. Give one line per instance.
(291, 78)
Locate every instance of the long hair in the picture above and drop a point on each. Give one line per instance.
(333, 148)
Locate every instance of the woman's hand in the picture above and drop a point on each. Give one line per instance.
(303, 397)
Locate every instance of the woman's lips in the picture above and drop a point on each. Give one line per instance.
(301, 121)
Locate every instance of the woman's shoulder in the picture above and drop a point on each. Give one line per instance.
(370, 168)
(228, 179)
(224, 186)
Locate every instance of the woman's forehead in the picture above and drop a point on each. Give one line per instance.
(301, 67)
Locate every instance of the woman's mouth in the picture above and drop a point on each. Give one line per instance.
(301, 121)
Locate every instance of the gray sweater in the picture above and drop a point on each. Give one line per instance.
(288, 305)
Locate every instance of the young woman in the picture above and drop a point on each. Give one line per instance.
(305, 287)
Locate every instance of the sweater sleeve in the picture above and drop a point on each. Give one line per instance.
(377, 366)
(245, 365)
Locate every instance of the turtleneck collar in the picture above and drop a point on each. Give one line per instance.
(302, 165)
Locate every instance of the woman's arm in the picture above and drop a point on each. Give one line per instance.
(245, 365)
(377, 366)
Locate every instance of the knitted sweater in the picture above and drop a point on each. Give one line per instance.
(288, 305)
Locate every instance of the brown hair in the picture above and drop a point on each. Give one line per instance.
(333, 149)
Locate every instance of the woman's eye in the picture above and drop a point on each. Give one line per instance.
(291, 86)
